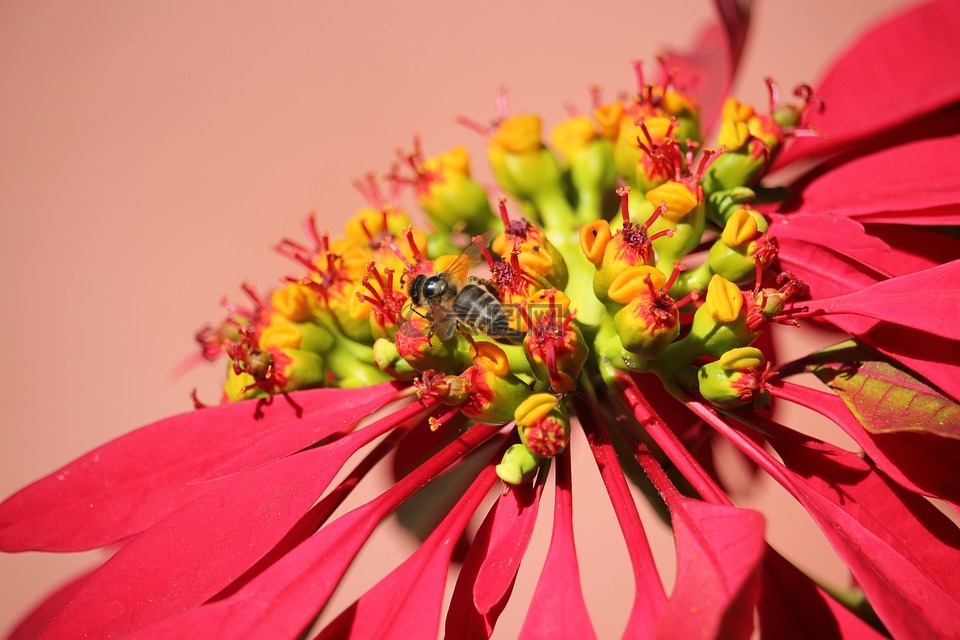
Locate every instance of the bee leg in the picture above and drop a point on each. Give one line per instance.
(468, 335)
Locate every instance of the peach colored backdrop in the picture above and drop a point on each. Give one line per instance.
(151, 152)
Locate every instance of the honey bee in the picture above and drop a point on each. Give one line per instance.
(450, 302)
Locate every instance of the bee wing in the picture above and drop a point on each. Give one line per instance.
(469, 258)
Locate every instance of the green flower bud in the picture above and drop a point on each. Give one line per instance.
(685, 215)
(543, 424)
(495, 392)
(450, 197)
(737, 379)
(732, 255)
(519, 466)
(387, 359)
(522, 166)
(721, 323)
(419, 343)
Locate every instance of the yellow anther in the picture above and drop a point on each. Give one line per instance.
(742, 359)
(518, 134)
(456, 161)
(609, 117)
(737, 111)
(680, 200)
(631, 283)
(740, 229)
(491, 358)
(594, 237)
(294, 301)
(280, 335)
(572, 134)
(535, 258)
(561, 302)
(733, 135)
(724, 299)
(357, 308)
(535, 408)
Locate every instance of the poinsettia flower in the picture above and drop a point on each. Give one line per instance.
(647, 327)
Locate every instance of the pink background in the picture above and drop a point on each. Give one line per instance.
(152, 152)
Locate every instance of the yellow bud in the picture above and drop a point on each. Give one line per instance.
(657, 126)
(491, 358)
(372, 220)
(295, 302)
(733, 135)
(740, 229)
(535, 408)
(737, 111)
(561, 302)
(534, 258)
(518, 134)
(631, 283)
(594, 237)
(724, 299)
(673, 102)
(767, 130)
(609, 117)
(457, 161)
(680, 200)
(742, 359)
(572, 134)
(280, 335)
(358, 309)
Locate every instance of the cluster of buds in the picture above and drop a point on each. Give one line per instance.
(501, 316)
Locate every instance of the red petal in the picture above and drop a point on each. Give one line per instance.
(284, 599)
(844, 236)
(900, 70)
(906, 179)
(30, 627)
(928, 301)
(899, 547)
(922, 463)
(794, 607)
(649, 595)
(719, 549)
(826, 273)
(407, 603)
(126, 485)
(558, 609)
(490, 568)
(512, 523)
(910, 249)
(422, 442)
(195, 552)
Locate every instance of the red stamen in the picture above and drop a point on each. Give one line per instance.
(478, 240)
(596, 96)
(473, 125)
(678, 268)
(624, 192)
(638, 75)
(773, 92)
(503, 213)
(310, 227)
(503, 103)
(660, 210)
(693, 296)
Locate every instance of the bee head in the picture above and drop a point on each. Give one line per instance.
(434, 287)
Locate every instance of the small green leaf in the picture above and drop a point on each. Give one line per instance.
(884, 396)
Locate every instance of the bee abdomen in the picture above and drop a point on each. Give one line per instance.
(478, 308)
